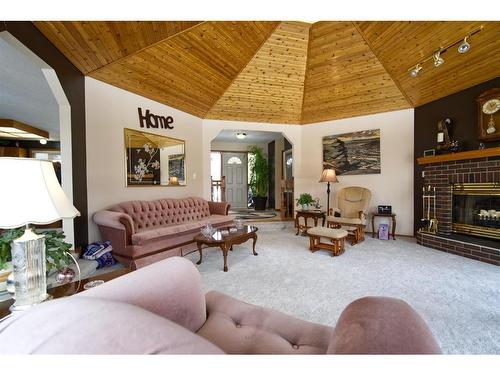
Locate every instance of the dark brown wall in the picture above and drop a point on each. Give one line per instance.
(73, 84)
(462, 109)
(272, 176)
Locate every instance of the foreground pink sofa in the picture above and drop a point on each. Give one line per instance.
(143, 232)
(161, 309)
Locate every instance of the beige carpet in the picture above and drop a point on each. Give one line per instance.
(458, 297)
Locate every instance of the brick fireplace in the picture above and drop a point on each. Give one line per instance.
(475, 170)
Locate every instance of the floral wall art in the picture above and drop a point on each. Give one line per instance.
(147, 159)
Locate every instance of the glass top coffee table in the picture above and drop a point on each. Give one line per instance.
(225, 238)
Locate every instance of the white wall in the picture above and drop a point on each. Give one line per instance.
(211, 128)
(394, 186)
(236, 146)
(108, 111)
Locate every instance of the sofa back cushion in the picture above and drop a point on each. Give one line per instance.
(161, 212)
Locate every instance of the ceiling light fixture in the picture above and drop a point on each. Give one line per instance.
(438, 60)
(437, 56)
(13, 129)
(464, 47)
(43, 141)
(241, 135)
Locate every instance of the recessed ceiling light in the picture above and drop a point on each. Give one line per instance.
(438, 60)
(43, 141)
(414, 72)
(241, 135)
(464, 47)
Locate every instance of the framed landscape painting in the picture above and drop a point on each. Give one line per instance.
(353, 153)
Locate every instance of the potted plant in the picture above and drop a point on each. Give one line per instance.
(304, 200)
(5, 256)
(56, 250)
(259, 177)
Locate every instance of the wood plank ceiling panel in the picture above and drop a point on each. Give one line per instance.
(90, 45)
(401, 45)
(190, 71)
(344, 78)
(270, 87)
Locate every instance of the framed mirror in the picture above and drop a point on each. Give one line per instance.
(154, 160)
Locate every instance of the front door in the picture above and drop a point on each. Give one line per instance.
(234, 167)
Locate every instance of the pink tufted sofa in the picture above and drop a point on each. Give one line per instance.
(161, 309)
(143, 232)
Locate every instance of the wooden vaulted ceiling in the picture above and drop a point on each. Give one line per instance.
(279, 72)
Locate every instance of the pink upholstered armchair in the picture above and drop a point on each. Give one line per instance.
(161, 308)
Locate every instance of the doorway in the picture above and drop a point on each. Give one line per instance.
(235, 169)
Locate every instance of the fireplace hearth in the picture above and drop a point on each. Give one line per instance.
(467, 186)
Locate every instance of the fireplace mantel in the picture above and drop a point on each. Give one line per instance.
(475, 154)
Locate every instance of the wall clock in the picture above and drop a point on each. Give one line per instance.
(489, 115)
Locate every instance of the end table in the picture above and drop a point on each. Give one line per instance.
(393, 219)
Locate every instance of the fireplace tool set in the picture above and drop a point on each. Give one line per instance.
(429, 223)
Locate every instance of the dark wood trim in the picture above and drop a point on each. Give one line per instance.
(73, 84)
(475, 154)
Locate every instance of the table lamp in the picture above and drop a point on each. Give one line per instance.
(30, 194)
(328, 176)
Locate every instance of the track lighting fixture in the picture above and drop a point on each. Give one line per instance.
(437, 56)
(464, 47)
(438, 60)
(414, 72)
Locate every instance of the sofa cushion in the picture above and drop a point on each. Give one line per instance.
(78, 325)
(218, 220)
(174, 233)
(145, 237)
(240, 328)
(163, 212)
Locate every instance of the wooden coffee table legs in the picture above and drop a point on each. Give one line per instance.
(226, 247)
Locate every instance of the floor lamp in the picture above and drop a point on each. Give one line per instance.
(328, 176)
(30, 194)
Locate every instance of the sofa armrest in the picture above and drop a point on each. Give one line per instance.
(116, 227)
(170, 288)
(116, 220)
(381, 325)
(219, 208)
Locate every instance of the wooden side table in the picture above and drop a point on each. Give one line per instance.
(393, 219)
(68, 289)
(313, 214)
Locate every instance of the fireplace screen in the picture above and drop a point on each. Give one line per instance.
(476, 209)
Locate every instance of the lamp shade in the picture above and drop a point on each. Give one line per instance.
(31, 194)
(328, 175)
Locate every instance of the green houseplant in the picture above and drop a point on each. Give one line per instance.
(259, 177)
(56, 250)
(304, 200)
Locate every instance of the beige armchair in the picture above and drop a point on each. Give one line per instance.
(353, 203)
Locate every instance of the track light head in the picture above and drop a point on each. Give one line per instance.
(438, 60)
(464, 47)
(414, 72)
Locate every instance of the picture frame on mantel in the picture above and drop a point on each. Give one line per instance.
(488, 111)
